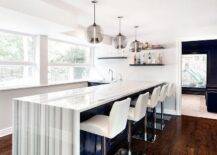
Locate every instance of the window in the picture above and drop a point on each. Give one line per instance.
(67, 61)
(194, 70)
(17, 59)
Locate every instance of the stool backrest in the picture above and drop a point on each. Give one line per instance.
(118, 117)
(171, 89)
(155, 96)
(141, 105)
(163, 92)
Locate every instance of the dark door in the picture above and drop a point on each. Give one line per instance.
(212, 68)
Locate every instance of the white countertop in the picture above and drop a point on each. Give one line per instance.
(82, 99)
(29, 86)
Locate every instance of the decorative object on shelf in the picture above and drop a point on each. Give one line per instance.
(94, 32)
(149, 58)
(136, 46)
(157, 47)
(160, 59)
(145, 46)
(120, 41)
(148, 46)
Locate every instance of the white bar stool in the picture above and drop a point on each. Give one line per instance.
(108, 126)
(137, 113)
(171, 90)
(162, 97)
(170, 93)
(152, 103)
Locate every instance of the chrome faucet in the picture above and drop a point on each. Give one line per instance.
(111, 73)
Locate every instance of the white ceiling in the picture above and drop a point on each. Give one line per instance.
(168, 16)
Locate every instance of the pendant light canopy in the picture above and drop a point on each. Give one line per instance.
(136, 46)
(94, 32)
(120, 40)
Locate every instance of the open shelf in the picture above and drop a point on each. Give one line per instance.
(146, 64)
(160, 48)
(117, 57)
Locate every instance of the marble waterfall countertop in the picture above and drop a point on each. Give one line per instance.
(82, 99)
(50, 123)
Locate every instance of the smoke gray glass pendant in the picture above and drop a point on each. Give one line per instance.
(120, 41)
(136, 46)
(94, 32)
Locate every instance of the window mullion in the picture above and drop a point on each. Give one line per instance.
(42, 44)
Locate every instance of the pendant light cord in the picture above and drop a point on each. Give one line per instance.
(136, 32)
(120, 17)
(94, 11)
(119, 25)
(94, 16)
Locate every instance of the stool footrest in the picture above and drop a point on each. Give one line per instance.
(145, 137)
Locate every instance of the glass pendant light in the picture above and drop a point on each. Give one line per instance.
(120, 40)
(136, 46)
(94, 32)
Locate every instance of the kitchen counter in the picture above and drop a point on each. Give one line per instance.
(82, 99)
(53, 119)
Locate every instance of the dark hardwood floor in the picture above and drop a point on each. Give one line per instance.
(6, 145)
(182, 136)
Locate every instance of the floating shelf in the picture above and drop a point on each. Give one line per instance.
(113, 57)
(160, 48)
(146, 64)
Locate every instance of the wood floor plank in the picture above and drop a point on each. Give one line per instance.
(183, 135)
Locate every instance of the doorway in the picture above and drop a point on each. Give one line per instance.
(194, 81)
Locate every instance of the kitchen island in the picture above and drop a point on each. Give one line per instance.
(50, 123)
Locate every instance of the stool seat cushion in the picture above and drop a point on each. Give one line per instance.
(149, 105)
(98, 125)
(154, 100)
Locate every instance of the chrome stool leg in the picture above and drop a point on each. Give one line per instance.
(145, 128)
(145, 136)
(129, 136)
(104, 151)
(162, 116)
(154, 124)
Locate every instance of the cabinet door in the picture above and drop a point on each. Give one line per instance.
(212, 68)
(211, 100)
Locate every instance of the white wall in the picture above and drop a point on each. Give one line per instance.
(6, 97)
(167, 73)
(40, 9)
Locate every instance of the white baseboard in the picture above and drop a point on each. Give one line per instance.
(5, 132)
(170, 112)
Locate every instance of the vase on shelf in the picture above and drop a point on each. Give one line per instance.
(142, 58)
(149, 61)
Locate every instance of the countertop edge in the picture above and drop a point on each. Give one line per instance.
(38, 86)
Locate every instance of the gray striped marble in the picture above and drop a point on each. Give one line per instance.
(42, 129)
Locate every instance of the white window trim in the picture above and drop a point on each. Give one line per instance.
(23, 63)
(42, 59)
(68, 64)
(86, 65)
(18, 33)
(15, 62)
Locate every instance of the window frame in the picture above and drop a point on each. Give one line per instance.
(74, 65)
(40, 52)
(18, 62)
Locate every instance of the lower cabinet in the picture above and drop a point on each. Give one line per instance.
(211, 100)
